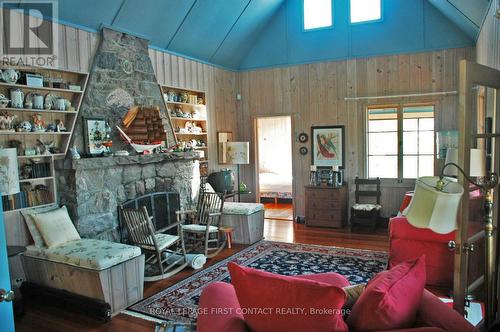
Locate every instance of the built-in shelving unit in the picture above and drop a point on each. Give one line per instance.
(38, 188)
(188, 115)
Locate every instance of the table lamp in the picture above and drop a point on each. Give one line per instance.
(238, 153)
(436, 200)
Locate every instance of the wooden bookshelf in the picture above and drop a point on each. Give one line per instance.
(186, 114)
(29, 140)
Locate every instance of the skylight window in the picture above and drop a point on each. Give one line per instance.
(317, 14)
(365, 10)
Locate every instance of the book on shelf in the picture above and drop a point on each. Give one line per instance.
(27, 198)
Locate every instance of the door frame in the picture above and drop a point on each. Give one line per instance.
(470, 74)
(293, 135)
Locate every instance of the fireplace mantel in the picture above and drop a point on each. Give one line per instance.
(106, 162)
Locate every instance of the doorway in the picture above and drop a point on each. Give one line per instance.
(274, 166)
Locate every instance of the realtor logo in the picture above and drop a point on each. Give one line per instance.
(30, 34)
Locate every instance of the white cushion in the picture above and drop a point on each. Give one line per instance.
(199, 228)
(366, 207)
(30, 223)
(163, 241)
(87, 253)
(56, 227)
(245, 209)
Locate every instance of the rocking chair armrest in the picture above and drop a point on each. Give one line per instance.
(179, 212)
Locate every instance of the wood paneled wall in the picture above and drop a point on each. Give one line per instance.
(488, 42)
(314, 95)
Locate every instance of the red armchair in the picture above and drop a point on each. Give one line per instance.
(408, 242)
(219, 309)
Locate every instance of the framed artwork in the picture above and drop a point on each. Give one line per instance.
(94, 131)
(328, 146)
(222, 138)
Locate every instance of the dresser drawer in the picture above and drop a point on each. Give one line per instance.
(325, 194)
(326, 214)
(336, 203)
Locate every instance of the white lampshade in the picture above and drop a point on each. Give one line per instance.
(9, 173)
(238, 153)
(477, 162)
(434, 209)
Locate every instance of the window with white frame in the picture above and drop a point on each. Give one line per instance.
(365, 10)
(400, 141)
(317, 14)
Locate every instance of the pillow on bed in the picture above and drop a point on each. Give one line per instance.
(30, 223)
(56, 227)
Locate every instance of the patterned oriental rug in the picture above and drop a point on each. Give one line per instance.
(180, 302)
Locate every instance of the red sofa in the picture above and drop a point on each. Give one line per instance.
(408, 242)
(219, 309)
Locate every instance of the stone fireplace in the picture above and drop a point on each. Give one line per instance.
(93, 188)
(121, 77)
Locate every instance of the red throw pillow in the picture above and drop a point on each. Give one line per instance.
(391, 298)
(272, 302)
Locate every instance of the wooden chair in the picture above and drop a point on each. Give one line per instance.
(202, 226)
(167, 251)
(363, 213)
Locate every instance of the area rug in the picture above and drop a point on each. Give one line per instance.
(180, 302)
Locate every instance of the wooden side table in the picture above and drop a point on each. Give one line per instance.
(228, 231)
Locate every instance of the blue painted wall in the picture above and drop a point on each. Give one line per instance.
(407, 26)
(247, 34)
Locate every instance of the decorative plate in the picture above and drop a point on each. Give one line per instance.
(303, 137)
(50, 99)
(303, 150)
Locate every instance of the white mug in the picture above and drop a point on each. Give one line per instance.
(61, 104)
(38, 102)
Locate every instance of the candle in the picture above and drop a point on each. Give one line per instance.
(313, 168)
(335, 168)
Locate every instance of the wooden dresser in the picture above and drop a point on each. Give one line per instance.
(326, 206)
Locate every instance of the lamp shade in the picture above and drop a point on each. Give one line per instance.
(434, 209)
(238, 153)
(9, 173)
(477, 162)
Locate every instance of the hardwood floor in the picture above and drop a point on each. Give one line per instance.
(39, 318)
(279, 211)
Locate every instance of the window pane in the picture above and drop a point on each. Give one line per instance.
(426, 124)
(426, 165)
(383, 143)
(365, 10)
(426, 142)
(383, 166)
(317, 14)
(382, 125)
(382, 114)
(410, 164)
(410, 142)
(410, 124)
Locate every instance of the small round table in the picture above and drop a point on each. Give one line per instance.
(228, 231)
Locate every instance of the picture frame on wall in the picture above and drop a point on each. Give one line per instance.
(222, 138)
(94, 133)
(328, 146)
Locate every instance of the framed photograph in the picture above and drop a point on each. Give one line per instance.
(94, 131)
(328, 146)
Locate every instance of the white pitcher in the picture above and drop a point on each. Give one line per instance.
(16, 98)
(38, 102)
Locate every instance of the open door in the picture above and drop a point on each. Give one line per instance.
(476, 259)
(6, 314)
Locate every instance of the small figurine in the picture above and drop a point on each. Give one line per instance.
(60, 126)
(39, 124)
(45, 147)
(74, 153)
(6, 121)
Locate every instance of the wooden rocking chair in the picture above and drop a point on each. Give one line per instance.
(201, 227)
(166, 250)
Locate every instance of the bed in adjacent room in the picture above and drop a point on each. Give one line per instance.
(273, 185)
